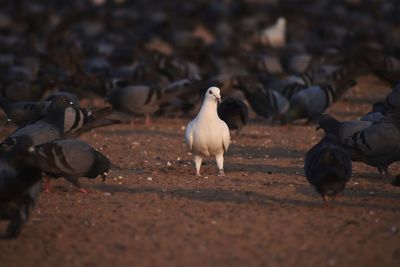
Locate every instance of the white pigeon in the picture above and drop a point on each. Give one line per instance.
(274, 35)
(208, 135)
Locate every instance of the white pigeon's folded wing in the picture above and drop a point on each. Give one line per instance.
(226, 138)
(189, 135)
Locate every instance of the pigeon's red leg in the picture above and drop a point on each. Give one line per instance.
(325, 199)
(46, 185)
(148, 120)
(83, 190)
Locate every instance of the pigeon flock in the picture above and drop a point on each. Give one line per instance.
(71, 66)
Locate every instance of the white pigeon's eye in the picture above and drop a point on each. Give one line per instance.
(210, 93)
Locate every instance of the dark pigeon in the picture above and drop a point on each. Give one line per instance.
(25, 90)
(20, 184)
(234, 112)
(392, 101)
(23, 112)
(327, 167)
(265, 102)
(71, 159)
(376, 114)
(72, 97)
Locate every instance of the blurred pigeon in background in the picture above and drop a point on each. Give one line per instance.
(234, 112)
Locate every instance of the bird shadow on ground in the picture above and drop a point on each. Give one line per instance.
(372, 177)
(229, 196)
(348, 114)
(144, 132)
(352, 192)
(264, 168)
(360, 99)
(272, 152)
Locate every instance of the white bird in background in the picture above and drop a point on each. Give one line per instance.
(208, 135)
(274, 35)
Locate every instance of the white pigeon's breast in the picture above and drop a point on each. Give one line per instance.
(207, 139)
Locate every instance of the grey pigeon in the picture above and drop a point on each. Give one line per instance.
(327, 167)
(377, 145)
(341, 130)
(234, 112)
(71, 159)
(20, 184)
(141, 99)
(49, 128)
(310, 103)
(379, 110)
(208, 135)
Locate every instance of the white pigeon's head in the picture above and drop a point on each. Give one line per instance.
(281, 22)
(213, 94)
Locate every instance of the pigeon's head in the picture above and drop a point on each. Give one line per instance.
(21, 150)
(328, 123)
(100, 167)
(60, 101)
(281, 22)
(213, 94)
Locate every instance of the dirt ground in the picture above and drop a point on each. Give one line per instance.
(152, 211)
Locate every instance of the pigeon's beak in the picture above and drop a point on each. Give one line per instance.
(31, 149)
(104, 176)
(218, 99)
(317, 127)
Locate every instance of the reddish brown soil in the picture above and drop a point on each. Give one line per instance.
(263, 213)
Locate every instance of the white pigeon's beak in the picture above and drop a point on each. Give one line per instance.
(218, 99)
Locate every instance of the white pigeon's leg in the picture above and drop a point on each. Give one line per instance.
(148, 120)
(220, 163)
(197, 162)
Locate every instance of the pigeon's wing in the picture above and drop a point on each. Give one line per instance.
(226, 138)
(348, 128)
(377, 139)
(65, 157)
(189, 135)
(41, 132)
